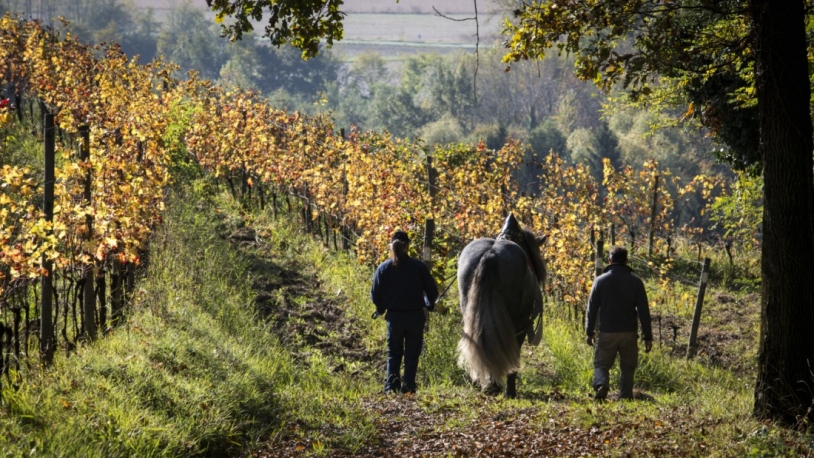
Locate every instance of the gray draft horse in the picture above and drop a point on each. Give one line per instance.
(499, 282)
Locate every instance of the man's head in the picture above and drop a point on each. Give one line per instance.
(618, 255)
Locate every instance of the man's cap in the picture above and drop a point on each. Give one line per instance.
(401, 236)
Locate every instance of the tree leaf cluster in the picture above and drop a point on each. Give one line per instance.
(693, 53)
(300, 23)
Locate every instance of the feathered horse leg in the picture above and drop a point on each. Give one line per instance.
(488, 348)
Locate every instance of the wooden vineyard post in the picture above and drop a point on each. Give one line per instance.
(699, 303)
(18, 102)
(306, 210)
(593, 242)
(653, 215)
(429, 235)
(600, 247)
(116, 293)
(613, 234)
(430, 180)
(333, 233)
(89, 296)
(429, 223)
(728, 248)
(344, 231)
(46, 280)
(130, 280)
(101, 293)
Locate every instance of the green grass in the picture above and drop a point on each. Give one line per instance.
(197, 371)
(192, 372)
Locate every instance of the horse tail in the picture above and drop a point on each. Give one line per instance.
(488, 349)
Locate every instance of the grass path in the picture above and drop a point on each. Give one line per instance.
(682, 407)
(249, 338)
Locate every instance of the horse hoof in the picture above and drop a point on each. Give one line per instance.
(492, 389)
(511, 394)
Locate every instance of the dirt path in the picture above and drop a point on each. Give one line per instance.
(460, 423)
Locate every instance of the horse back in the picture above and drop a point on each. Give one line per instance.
(514, 279)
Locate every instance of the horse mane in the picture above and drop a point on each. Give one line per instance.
(529, 245)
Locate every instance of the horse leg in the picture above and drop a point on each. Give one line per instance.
(511, 385)
(511, 379)
(492, 389)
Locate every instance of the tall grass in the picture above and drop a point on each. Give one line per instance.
(193, 372)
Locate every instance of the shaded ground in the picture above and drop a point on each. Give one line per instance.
(300, 312)
(728, 330)
(418, 427)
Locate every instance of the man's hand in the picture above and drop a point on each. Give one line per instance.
(590, 340)
(648, 345)
(440, 308)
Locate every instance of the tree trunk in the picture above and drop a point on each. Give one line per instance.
(785, 381)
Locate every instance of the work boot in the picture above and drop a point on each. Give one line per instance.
(393, 385)
(601, 392)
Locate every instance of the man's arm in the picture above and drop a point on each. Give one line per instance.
(643, 308)
(591, 314)
(375, 292)
(429, 285)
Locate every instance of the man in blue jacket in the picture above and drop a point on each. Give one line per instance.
(617, 299)
(402, 290)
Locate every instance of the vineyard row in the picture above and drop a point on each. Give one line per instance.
(126, 130)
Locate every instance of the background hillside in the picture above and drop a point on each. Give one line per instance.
(403, 69)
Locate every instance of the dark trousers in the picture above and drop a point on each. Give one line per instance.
(405, 337)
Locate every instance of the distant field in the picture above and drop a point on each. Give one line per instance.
(370, 6)
(419, 6)
(407, 20)
(419, 28)
(397, 30)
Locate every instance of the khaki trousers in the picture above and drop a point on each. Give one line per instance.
(608, 345)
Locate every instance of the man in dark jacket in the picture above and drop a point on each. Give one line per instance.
(402, 290)
(617, 299)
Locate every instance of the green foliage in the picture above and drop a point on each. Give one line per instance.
(183, 166)
(303, 24)
(685, 53)
(493, 135)
(192, 372)
(189, 374)
(591, 147)
(740, 213)
(444, 131)
(190, 41)
(395, 111)
(546, 138)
